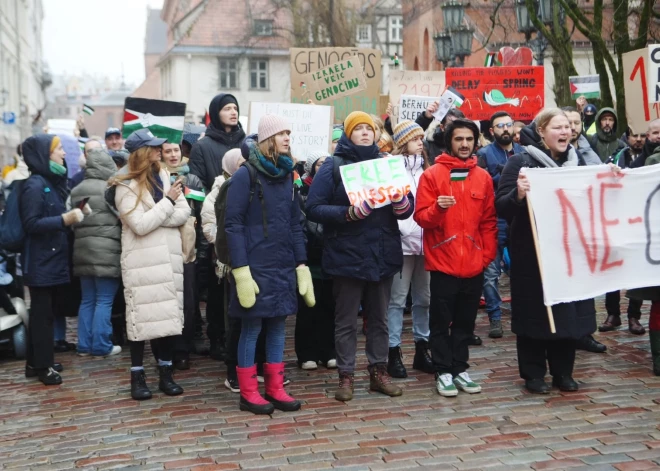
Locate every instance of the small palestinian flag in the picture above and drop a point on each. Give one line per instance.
(88, 109)
(197, 195)
(164, 119)
(491, 60)
(458, 174)
(587, 86)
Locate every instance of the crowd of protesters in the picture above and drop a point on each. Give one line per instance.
(149, 230)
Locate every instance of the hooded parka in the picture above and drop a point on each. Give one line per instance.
(606, 144)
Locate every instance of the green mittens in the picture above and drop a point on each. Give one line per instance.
(246, 287)
(305, 285)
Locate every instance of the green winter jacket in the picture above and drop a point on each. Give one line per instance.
(97, 245)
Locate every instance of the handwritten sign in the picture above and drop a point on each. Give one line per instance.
(597, 232)
(639, 109)
(411, 106)
(377, 179)
(311, 125)
(517, 90)
(654, 73)
(304, 61)
(408, 82)
(335, 81)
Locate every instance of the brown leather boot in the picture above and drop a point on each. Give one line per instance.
(611, 323)
(634, 327)
(345, 390)
(381, 382)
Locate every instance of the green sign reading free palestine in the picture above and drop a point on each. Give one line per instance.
(337, 80)
(377, 179)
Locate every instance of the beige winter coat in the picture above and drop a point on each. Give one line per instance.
(151, 261)
(209, 226)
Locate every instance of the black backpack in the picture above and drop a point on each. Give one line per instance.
(336, 163)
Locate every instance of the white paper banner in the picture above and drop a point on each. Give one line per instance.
(597, 232)
(377, 179)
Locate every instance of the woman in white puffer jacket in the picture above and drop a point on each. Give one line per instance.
(409, 146)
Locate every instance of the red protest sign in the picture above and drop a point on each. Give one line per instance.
(517, 90)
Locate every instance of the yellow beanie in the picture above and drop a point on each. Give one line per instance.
(356, 118)
(54, 143)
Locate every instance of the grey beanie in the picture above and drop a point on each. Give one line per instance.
(312, 158)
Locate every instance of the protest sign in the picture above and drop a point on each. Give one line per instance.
(311, 125)
(376, 179)
(450, 98)
(654, 73)
(517, 90)
(61, 126)
(164, 119)
(411, 106)
(597, 232)
(639, 110)
(336, 81)
(304, 61)
(408, 82)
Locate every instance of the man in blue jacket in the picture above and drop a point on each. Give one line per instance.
(493, 157)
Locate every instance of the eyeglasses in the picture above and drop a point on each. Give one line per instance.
(504, 125)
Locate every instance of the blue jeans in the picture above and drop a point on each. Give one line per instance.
(247, 343)
(94, 326)
(491, 288)
(412, 273)
(59, 328)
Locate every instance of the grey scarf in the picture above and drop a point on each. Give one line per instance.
(546, 161)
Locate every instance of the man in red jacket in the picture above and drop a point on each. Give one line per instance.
(455, 205)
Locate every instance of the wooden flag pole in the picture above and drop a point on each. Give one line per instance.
(535, 235)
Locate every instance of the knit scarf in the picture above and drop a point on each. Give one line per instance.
(542, 158)
(56, 168)
(284, 164)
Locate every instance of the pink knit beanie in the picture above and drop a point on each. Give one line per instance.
(271, 124)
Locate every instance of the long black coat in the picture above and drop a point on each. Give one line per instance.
(529, 316)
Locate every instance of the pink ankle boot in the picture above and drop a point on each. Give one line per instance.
(275, 393)
(251, 400)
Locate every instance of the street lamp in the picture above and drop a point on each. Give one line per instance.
(454, 43)
(544, 13)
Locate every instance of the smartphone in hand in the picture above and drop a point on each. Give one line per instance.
(82, 204)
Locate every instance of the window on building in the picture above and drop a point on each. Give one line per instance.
(228, 73)
(259, 74)
(318, 34)
(396, 28)
(263, 27)
(364, 33)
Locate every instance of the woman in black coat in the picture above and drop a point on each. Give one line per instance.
(546, 143)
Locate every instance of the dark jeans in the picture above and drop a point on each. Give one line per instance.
(44, 304)
(375, 296)
(315, 326)
(613, 305)
(162, 348)
(533, 353)
(183, 343)
(453, 311)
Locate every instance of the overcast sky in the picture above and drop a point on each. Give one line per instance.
(96, 36)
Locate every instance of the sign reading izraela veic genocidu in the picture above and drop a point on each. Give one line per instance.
(597, 232)
(377, 179)
(165, 119)
(519, 91)
(305, 61)
(311, 125)
(336, 81)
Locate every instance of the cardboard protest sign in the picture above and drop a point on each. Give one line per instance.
(639, 110)
(450, 98)
(597, 232)
(654, 73)
(164, 119)
(377, 179)
(411, 106)
(587, 86)
(304, 61)
(311, 125)
(409, 82)
(336, 81)
(517, 90)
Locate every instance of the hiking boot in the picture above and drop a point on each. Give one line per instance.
(444, 384)
(380, 381)
(495, 331)
(395, 366)
(251, 399)
(635, 328)
(589, 344)
(139, 389)
(422, 360)
(166, 383)
(612, 322)
(564, 383)
(463, 382)
(275, 393)
(345, 390)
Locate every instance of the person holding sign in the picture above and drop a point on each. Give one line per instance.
(362, 252)
(455, 207)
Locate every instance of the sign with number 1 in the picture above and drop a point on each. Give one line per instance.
(639, 109)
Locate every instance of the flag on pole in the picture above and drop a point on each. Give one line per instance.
(88, 109)
(164, 119)
(587, 86)
(197, 195)
(458, 174)
(451, 98)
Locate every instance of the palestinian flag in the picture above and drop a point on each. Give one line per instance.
(164, 119)
(587, 86)
(458, 174)
(88, 109)
(491, 60)
(191, 194)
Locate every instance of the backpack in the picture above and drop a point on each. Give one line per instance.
(12, 234)
(221, 245)
(336, 174)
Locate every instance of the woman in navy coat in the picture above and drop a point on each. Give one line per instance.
(267, 253)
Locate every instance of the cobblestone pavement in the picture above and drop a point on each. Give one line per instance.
(90, 422)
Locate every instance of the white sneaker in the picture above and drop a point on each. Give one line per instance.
(83, 354)
(331, 364)
(464, 383)
(445, 385)
(309, 365)
(116, 350)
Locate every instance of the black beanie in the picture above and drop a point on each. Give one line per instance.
(218, 103)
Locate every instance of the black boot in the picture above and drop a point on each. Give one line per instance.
(590, 344)
(166, 383)
(139, 389)
(422, 360)
(395, 366)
